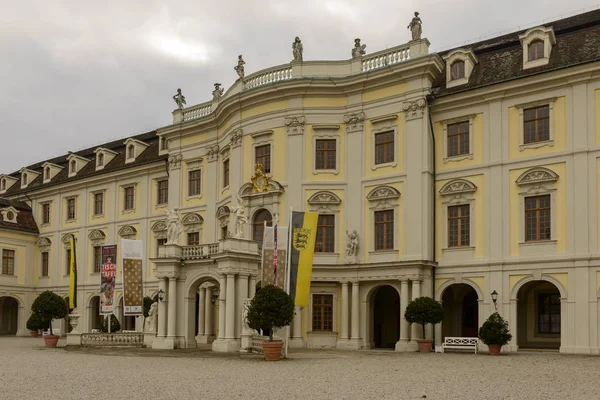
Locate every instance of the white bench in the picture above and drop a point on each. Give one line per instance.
(463, 343)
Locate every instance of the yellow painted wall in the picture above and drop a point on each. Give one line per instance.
(597, 115)
(477, 149)
(560, 132)
(598, 194)
(310, 155)
(264, 108)
(225, 125)
(381, 93)
(560, 204)
(106, 208)
(317, 101)
(369, 152)
(19, 243)
(135, 212)
(70, 224)
(513, 280)
(187, 201)
(340, 231)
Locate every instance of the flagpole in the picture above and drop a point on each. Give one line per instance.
(287, 276)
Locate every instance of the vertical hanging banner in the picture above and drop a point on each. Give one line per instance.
(302, 250)
(131, 262)
(108, 279)
(268, 256)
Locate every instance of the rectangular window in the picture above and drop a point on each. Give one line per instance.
(549, 313)
(322, 312)
(536, 124)
(384, 230)
(226, 173)
(68, 261)
(163, 192)
(129, 198)
(384, 147)
(45, 263)
(325, 242)
(160, 242)
(537, 218)
(8, 262)
(262, 154)
(71, 209)
(163, 144)
(458, 139)
(98, 203)
(46, 213)
(194, 182)
(459, 226)
(325, 154)
(193, 238)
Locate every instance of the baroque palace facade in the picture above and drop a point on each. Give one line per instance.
(462, 173)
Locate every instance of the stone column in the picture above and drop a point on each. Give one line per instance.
(222, 289)
(415, 328)
(344, 327)
(296, 340)
(401, 345)
(252, 286)
(230, 308)
(201, 311)
(208, 313)
(227, 340)
(172, 314)
(355, 339)
(162, 309)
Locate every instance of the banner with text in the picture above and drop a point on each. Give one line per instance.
(131, 261)
(108, 277)
(268, 253)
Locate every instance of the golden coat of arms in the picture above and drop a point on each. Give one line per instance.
(260, 181)
(300, 238)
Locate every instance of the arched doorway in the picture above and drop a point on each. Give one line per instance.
(258, 224)
(461, 311)
(202, 310)
(95, 317)
(386, 317)
(9, 316)
(539, 316)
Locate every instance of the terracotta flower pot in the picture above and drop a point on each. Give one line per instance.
(33, 333)
(50, 340)
(425, 345)
(494, 349)
(272, 350)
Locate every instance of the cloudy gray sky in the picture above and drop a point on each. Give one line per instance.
(78, 73)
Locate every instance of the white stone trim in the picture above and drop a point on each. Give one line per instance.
(29, 174)
(445, 124)
(543, 247)
(67, 219)
(187, 182)
(7, 210)
(327, 203)
(468, 57)
(53, 168)
(222, 173)
(97, 238)
(6, 182)
(41, 211)
(381, 128)
(159, 228)
(15, 263)
(135, 196)
(545, 34)
(317, 289)
(161, 151)
(383, 198)
(262, 141)
(461, 199)
(127, 232)
(521, 107)
(326, 132)
(138, 148)
(80, 162)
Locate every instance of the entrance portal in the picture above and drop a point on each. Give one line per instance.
(9, 314)
(386, 317)
(95, 317)
(539, 316)
(461, 311)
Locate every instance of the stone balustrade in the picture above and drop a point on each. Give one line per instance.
(197, 111)
(271, 75)
(200, 251)
(386, 57)
(112, 340)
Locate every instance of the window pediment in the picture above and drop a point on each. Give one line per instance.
(324, 198)
(383, 193)
(97, 237)
(44, 242)
(103, 157)
(457, 186)
(537, 175)
(127, 232)
(66, 240)
(160, 229)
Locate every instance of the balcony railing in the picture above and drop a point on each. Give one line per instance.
(197, 111)
(112, 339)
(271, 75)
(200, 251)
(384, 58)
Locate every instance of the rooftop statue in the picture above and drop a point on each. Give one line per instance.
(173, 226)
(415, 27)
(218, 92)
(239, 68)
(358, 50)
(297, 49)
(179, 99)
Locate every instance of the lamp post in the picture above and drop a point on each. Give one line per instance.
(161, 295)
(494, 299)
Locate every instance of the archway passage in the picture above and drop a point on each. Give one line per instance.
(461, 311)
(9, 316)
(95, 317)
(538, 316)
(386, 317)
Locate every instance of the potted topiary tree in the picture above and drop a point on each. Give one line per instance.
(424, 310)
(271, 308)
(115, 325)
(495, 333)
(35, 323)
(49, 306)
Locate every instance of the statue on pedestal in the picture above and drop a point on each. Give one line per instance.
(150, 323)
(245, 328)
(239, 68)
(415, 27)
(218, 92)
(358, 49)
(173, 226)
(240, 218)
(297, 49)
(352, 246)
(179, 99)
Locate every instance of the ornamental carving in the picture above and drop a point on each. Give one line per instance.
(213, 152)
(354, 122)
(127, 232)
(414, 109)
(97, 237)
(191, 222)
(175, 161)
(295, 125)
(66, 241)
(160, 229)
(223, 211)
(260, 181)
(383, 193)
(457, 186)
(324, 198)
(537, 175)
(236, 138)
(44, 243)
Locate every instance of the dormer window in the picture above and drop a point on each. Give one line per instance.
(27, 176)
(130, 151)
(100, 160)
(536, 50)
(6, 181)
(3, 184)
(50, 171)
(163, 144)
(458, 70)
(537, 45)
(103, 157)
(459, 65)
(24, 180)
(47, 173)
(134, 148)
(73, 167)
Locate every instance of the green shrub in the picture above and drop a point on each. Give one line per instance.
(36, 323)
(495, 330)
(424, 310)
(270, 308)
(114, 324)
(49, 306)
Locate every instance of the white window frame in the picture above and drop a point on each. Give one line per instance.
(42, 204)
(71, 172)
(383, 198)
(3, 185)
(135, 196)
(47, 175)
(127, 147)
(161, 141)
(522, 107)
(225, 157)
(538, 33)
(187, 183)
(326, 132)
(458, 192)
(320, 290)
(386, 123)
(102, 156)
(94, 193)
(67, 219)
(325, 202)
(157, 181)
(466, 56)
(445, 124)
(44, 250)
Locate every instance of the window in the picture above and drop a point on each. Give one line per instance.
(129, 198)
(259, 225)
(537, 218)
(73, 166)
(223, 232)
(194, 182)
(325, 242)
(97, 258)
(25, 179)
(548, 313)
(131, 151)
(322, 312)
(535, 50)
(226, 173)
(384, 230)
(70, 208)
(193, 238)
(45, 263)
(163, 192)
(47, 173)
(384, 147)
(98, 203)
(458, 139)
(68, 262)
(8, 262)
(160, 242)
(536, 124)
(458, 70)
(101, 160)
(262, 154)
(325, 154)
(163, 144)
(46, 213)
(459, 226)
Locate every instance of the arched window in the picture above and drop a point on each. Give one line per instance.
(259, 224)
(130, 151)
(73, 166)
(536, 50)
(100, 159)
(458, 70)
(24, 179)
(47, 173)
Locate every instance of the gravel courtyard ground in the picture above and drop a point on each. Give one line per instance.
(30, 371)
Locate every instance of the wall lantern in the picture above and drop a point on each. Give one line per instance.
(494, 299)
(161, 295)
